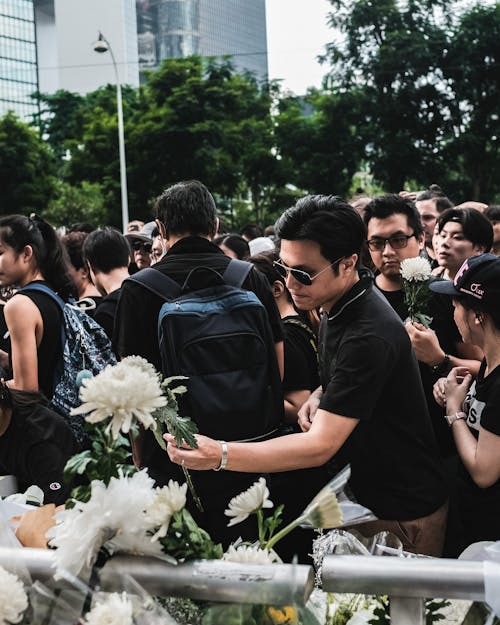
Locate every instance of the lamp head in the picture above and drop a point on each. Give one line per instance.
(101, 45)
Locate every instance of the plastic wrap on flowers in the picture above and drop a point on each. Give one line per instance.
(336, 497)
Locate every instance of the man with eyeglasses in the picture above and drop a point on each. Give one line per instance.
(370, 409)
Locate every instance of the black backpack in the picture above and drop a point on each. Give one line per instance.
(220, 338)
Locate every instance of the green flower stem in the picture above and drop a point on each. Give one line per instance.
(192, 490)
(283, 532)
(260, 525)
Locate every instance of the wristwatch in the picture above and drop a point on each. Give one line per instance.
(443, 367)
(456, 416)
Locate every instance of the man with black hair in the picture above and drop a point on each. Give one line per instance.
(107, 255)
(395, 233)
(370, 410)
(430, 204)
(187, 219)
(493, 214)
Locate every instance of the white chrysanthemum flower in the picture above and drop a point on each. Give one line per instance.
(324, 510)
(13, 598)
(116, 609)
(168, 500)
(130, 389)
(250, 555)
(117, 511)
(415, 269)
(251, 500)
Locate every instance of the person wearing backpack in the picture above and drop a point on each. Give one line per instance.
(32, 253)
(52, 344)
(187, 220)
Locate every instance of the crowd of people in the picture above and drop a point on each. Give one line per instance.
(414, 410)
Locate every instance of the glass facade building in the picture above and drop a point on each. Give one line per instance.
(178, 28)
(18, 58)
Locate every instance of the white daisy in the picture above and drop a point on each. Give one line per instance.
(248, 502)
(168, 500)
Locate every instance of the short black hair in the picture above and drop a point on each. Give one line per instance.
(73, 242)
(434, 192)
(384, 206)
(476, 227)
(187, 208)
(252, 231)
(327, 220)
(106, 249)
(492, 212)
(237, 244)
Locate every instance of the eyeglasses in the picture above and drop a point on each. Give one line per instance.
(301, 276)
(141, 245)
(397, 242)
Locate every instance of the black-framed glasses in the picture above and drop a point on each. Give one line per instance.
(142, 245)
(301, 276)
(397, 242)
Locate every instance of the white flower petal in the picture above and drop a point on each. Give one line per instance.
(248, 502)
(13, 598)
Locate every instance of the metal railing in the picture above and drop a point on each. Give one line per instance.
(406, 581)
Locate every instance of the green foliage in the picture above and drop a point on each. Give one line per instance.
(82, 203)
(185, 540)
(105, 459)
(27, 168)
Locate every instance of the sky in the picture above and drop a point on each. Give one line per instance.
(296, 34)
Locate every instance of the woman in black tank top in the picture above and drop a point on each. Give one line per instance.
(30, 251)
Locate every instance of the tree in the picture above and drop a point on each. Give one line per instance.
(471, 69)
(394, 53)
(27, 168)
(72, 204)
(318, 136)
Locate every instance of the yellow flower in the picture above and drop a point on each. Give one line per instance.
(286, 615)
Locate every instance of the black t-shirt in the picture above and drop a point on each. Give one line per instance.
(35, 448)
(480, 507)
(105, 312)
(50, 348)
(301, 356)
(440, 308)
(369, 372)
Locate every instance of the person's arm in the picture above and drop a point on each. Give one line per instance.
(481, 457)
(427, 349)
(22, 318)
(294, 400)
(313, 448)
(280, 357)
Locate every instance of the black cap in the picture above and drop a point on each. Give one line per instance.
(478, 278)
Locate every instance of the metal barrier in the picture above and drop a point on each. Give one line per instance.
(407, 581)
(213, 580)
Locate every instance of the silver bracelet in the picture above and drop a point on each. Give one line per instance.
(223, 459)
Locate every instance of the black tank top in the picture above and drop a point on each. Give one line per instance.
(50, 349)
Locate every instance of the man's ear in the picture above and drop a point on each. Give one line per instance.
(162, 229)
(349, 263)
(278, 288)
(216, 229)
(421, 241)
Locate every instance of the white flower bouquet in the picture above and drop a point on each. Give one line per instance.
(416, 273)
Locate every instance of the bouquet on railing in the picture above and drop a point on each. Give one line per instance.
(416, 273)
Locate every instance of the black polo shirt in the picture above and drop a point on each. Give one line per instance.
(369, 372)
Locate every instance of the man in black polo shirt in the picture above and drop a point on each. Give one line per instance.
(370, 409)
(187, 221)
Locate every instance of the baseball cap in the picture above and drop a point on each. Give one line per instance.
(478, 278)
(144, 234)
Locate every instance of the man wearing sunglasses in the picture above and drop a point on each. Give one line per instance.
(141, 244)
(370, 409)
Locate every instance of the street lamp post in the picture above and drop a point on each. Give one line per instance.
(102, 45)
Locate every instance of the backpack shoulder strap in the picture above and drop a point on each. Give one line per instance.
(157, 282)
(237, 272)
(43, 288)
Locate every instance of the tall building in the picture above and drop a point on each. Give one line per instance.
(177, 28)
(18, 58)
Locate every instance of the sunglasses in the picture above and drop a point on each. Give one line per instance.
(301, 276)
(141, 245)
(397, 242)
